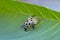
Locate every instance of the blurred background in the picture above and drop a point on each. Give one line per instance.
(51, 4)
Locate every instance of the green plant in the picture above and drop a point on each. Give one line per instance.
(13, 14)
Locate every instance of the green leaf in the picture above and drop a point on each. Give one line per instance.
(13, 14)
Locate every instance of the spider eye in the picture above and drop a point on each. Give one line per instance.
(26, 24)
(31, 18)
(29, 23)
